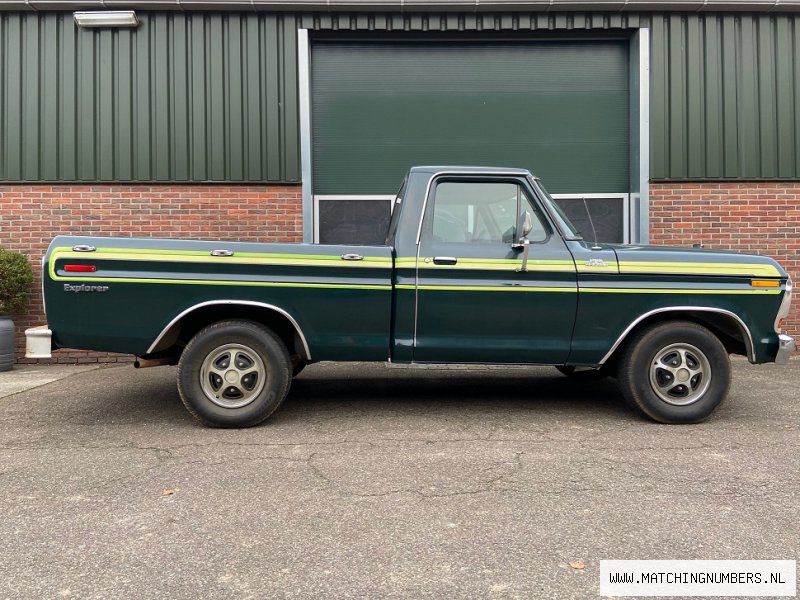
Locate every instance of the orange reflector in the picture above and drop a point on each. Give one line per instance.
(780, 324)
(80, 268)
(765, 283)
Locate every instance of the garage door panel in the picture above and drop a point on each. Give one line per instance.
(560, 109)
(470, 117)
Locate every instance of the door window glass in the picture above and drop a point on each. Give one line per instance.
(481, 212)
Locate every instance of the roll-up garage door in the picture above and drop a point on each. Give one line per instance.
(557, 108)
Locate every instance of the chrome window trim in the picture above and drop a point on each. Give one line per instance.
(194, 307)
(523, 175)
(751, 353)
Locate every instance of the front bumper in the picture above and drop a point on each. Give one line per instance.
(786, 347)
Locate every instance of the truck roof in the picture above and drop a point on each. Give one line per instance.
(467, 169)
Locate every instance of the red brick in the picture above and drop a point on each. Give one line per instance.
(236, 213)
(757, 217)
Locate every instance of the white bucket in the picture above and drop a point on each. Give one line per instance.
(37, 342)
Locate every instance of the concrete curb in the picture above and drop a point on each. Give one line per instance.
(26, 377)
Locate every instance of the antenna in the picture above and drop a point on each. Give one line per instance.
(591, 222)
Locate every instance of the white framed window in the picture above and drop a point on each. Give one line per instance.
(610, 215)
(352, 219)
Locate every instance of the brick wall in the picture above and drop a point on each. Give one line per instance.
(31, 215)
(747, 216)
(757, 217)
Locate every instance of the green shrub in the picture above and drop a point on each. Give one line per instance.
(16, 277)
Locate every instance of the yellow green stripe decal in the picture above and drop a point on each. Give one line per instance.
(283, 284)
(492, 288)
(678, 291)
(697, 268)
(624, 267)
(486, 288)
(241, 258)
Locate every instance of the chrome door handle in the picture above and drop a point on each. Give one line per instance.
(352, 257)
(444, 260)
(221, 253)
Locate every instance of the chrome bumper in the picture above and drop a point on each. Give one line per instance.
(786, 348)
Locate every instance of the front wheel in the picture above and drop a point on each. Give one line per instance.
(675, 372)
(234, 374)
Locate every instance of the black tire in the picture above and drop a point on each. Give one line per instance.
(675, 372)
(583, 374)
(257, 367)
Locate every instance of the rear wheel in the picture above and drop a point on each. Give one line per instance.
(234, 374)
(676, 372)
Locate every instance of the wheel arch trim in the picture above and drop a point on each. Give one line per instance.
(195, 307)
(748, 337)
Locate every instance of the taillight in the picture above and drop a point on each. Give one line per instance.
(80, 268)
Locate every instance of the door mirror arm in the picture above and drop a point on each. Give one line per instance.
(526, 225)
(525, 245)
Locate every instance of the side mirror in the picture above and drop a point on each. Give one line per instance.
(525, 224)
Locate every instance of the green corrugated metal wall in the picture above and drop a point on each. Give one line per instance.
(118, 106)
(200, 97)
(724, 96)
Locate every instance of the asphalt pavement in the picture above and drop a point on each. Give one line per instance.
(378, 482)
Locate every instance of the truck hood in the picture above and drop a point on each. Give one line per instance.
(695, 261)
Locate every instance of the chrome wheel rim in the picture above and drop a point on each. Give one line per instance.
(232, 375)
(680, 374)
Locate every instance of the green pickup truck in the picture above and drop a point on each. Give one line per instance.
(480, 266)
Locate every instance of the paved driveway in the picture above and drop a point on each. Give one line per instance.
(378, 482)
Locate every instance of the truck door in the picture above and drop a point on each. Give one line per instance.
(474, 303)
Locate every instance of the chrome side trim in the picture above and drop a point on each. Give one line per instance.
(520, 174)
(786, 304)
(751, 354)
(277, 309)
(304, 105)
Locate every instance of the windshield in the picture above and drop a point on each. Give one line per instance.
(568, 229)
